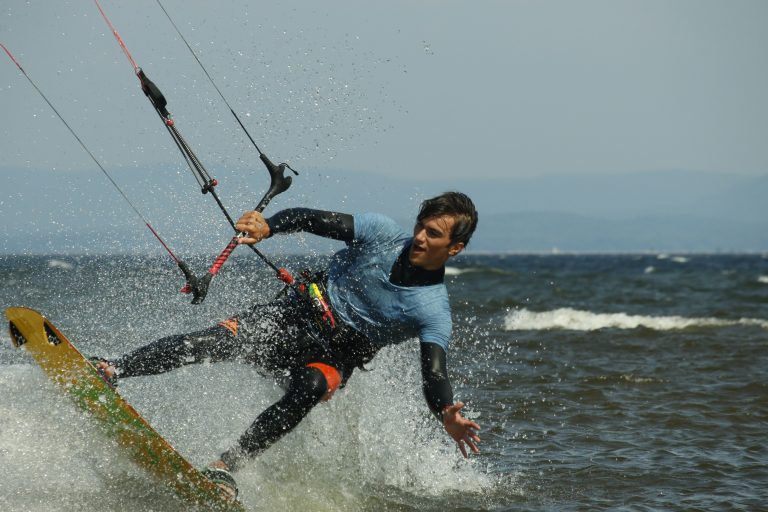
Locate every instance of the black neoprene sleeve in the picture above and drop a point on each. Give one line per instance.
(339, 226)
(436, 386)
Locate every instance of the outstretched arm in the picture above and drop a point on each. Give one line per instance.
(439, 396)
(339, 226)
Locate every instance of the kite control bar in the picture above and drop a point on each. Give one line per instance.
(279, 183)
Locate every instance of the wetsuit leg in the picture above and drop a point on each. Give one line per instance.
(307, 387)
(315, 374)
(258, 336)
(215, 343)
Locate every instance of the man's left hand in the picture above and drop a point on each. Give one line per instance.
(462, 430)
(253, 224)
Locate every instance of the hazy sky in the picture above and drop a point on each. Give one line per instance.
(405, 88)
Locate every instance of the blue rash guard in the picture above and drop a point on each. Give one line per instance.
(376, 293)
(363, 297)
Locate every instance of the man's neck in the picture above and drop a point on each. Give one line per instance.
(404, 273)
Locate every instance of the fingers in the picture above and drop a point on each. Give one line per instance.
(249, 221)
(462, 430)
(467, 438)
(246, 239)
(471, 439)
(254, 226)
(468, 441)
(472, 436)
(453, 409)
(471, 442)
(463, 449)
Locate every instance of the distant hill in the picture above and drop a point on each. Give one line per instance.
(45, 211)
(546, 232)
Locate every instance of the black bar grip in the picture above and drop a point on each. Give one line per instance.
(279, 182)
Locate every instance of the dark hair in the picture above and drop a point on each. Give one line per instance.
(459, 206)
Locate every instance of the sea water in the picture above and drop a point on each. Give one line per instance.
(622, 382)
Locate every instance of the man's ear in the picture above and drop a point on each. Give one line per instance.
(455, 248)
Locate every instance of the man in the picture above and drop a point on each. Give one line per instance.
(386, 287)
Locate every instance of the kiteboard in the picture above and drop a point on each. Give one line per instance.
(78, 378)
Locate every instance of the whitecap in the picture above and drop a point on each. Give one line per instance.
(762, 279)
(456, 271)
(579, 320)
(649, 269)
(63, 265)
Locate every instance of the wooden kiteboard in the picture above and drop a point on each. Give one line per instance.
(78, 378)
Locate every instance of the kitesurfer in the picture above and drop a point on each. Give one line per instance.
(385, 287)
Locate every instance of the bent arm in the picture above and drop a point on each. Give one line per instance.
(339, 226)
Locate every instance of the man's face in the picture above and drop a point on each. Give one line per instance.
(432, 245)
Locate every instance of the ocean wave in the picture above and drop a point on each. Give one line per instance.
(579, 320)
(623, 378)
(63, 265)
(457, 271)
(762, 279)
(676, 259)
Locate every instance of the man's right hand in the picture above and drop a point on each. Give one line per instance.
(462, 430)
(252, 223)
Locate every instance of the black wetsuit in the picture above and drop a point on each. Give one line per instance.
(278, 338)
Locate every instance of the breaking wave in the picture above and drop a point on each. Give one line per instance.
(579, 320)
(60, 264)
(455, 271)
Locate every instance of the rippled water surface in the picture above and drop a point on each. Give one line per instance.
(601, 382)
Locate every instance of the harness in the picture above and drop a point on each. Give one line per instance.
(312, 292)
(350, 347)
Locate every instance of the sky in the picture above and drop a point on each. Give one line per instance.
(435, 88)
(423, 90)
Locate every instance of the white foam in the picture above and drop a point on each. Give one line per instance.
(375, 437)
(63, 265)
(53, 456)
(676, 259)
(579, 320)
(456, 271)
(376, 434)
(762, 279)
